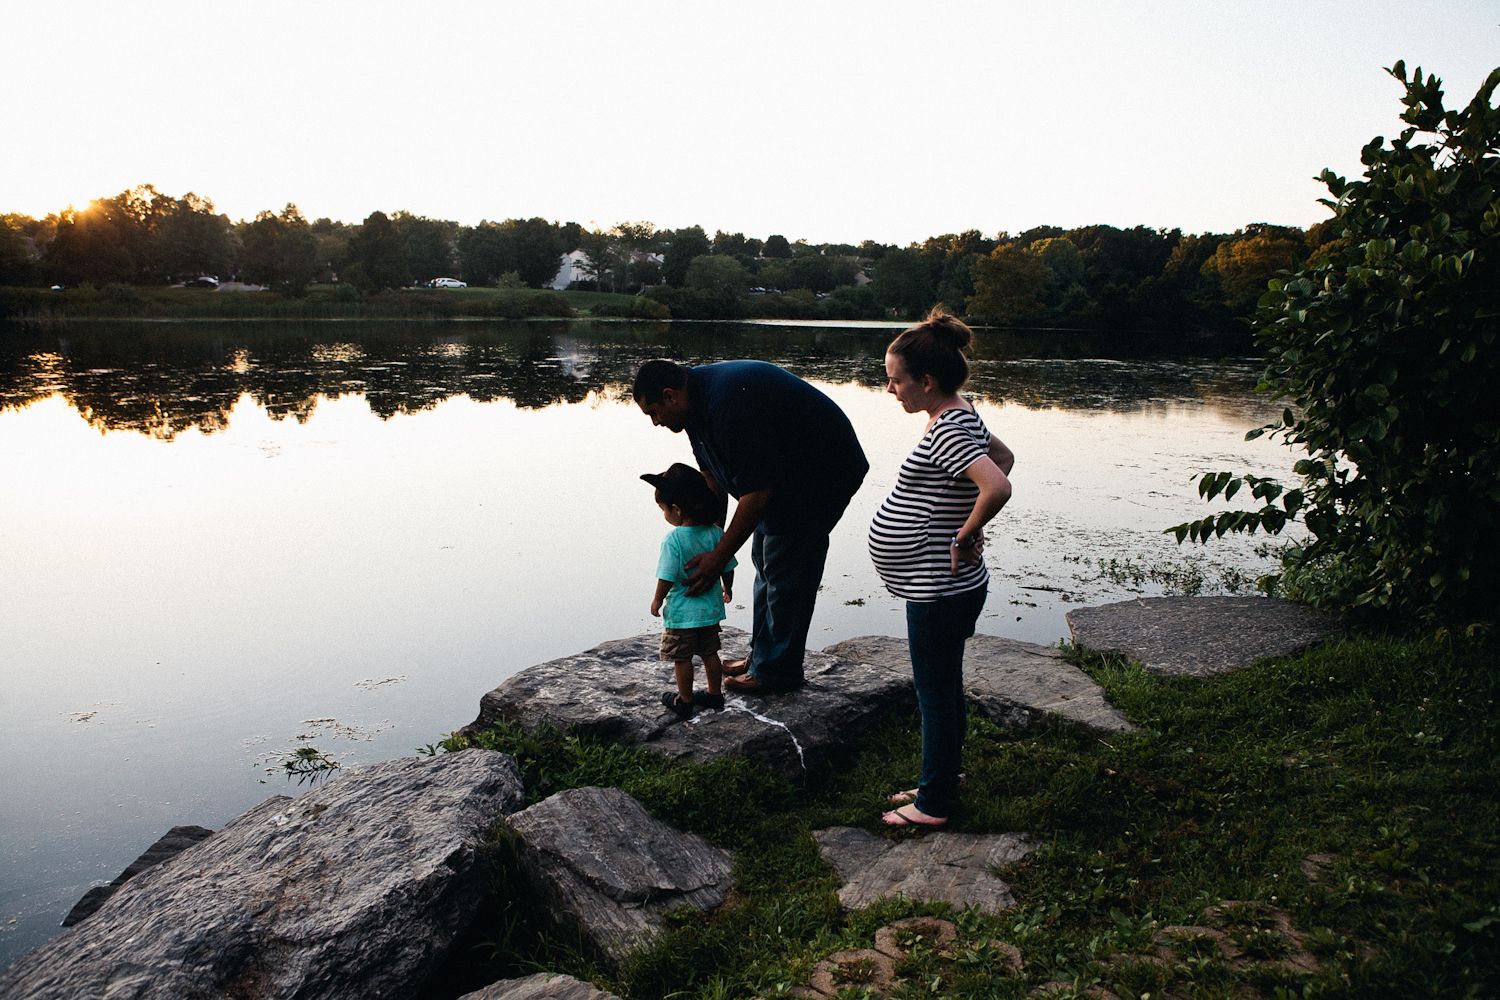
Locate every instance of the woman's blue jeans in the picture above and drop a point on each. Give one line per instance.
(935, 631)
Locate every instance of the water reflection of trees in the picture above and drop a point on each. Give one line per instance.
(161, 380)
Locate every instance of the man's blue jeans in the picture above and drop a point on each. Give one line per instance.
(935, 631)
(788, 571)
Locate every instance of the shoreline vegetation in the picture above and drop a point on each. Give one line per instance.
(131, 255)
(319, 302)
(1348, 792)
(335, 303)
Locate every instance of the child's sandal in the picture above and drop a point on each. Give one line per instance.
(673, 701)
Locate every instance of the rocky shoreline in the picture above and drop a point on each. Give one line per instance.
(370, 884)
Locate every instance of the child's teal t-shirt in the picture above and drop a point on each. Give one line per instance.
(679, 610)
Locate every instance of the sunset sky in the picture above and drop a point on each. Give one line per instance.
(830, 121)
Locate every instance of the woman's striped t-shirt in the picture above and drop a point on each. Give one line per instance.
(912, 532)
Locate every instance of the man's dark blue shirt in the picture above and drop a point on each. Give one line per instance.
(755, 426)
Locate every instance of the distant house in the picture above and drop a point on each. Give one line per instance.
(574, 267)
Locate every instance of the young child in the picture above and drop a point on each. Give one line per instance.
(690, 623)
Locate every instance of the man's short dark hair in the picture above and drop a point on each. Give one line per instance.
(656, 376)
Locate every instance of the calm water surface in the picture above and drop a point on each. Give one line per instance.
(219, 543)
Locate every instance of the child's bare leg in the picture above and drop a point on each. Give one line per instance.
(713, 671)
(682, 671)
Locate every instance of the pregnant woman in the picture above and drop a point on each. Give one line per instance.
(927, 544)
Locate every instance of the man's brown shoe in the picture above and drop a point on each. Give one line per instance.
(744, 684)
(734, 668)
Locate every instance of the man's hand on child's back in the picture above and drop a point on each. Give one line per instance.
(703, 570)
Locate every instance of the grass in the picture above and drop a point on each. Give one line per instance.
(319, 302)
(1351, 794)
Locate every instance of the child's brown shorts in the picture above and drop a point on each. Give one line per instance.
(685, 643)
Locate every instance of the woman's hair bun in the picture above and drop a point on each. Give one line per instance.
(947, 329)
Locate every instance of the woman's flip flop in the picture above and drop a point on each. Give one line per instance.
(910, 795)
(912, 816)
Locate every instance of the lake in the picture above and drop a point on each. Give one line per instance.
(219, 543)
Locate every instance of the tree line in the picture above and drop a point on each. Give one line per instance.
(1089, 277)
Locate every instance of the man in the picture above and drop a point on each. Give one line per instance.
(789, 456)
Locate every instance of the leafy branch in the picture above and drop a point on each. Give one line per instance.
(1270, 517)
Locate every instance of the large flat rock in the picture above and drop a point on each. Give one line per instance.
(1014, 684)
(599, 859)
(1199, 636)
(953, 868)
(542, 986)
(613, 692)
(356, 889)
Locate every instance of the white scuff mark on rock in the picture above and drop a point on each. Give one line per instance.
(738, 705)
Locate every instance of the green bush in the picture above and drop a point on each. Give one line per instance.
(851, 302)
(523, 306)
(690, 303)
(26, 303)
(117, 293)
(1384, 348)
(797, 304)
(635, 307)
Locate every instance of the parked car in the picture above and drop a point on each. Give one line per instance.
(202, 281)
(447, 283)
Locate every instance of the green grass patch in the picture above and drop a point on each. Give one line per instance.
(1349, 793)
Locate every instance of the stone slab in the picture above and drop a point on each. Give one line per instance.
(613, 692)
(356, 889)
(598, 858)
(542, 986)
(1014, 684)
(1199, 636)
(173, 842)
(953, 868)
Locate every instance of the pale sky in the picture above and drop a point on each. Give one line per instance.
(830, 121)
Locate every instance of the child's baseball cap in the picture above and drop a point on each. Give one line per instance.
(685, 487)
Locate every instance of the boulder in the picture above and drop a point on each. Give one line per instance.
(953, 868)
(1199, 636)
(598, 859)
(173, 842)
(1014, 684)
(542, 986)
(613, 692)
(356, 889)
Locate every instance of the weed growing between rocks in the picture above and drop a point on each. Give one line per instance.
(1323, 825)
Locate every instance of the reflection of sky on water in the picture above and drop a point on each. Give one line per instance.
(193, 580)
